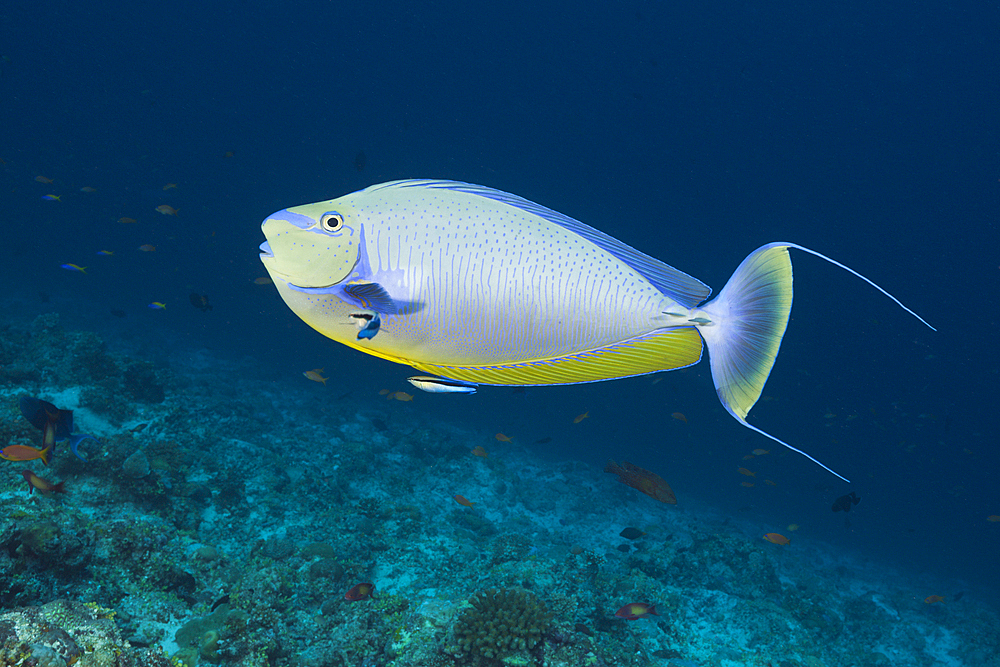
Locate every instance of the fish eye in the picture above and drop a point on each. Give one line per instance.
(331, 221)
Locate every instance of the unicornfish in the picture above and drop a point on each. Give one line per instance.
(475, 286)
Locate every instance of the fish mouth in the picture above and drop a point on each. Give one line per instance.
(265, 250)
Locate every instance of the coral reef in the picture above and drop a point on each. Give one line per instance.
(223, 522)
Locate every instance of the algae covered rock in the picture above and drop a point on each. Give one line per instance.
(501, 622)
(70, 633)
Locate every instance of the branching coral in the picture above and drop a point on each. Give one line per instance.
(501, 622)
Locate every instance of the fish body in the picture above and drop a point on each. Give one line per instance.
(933, 599)
(26, 453)
(462, 500)
(777, 538)
(360, 592)
(636, 610)
(441, 385)
(43, 485)
(54, 423)
(51, 198)
(157, 305)
(73, 267)
(845, 502)
(484, 287)
(316, 375)
(166, 209)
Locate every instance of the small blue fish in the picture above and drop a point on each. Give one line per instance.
(156, 305)
(73, 267)
(105, 253)
(51, 198)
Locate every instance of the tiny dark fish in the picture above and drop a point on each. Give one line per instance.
(360, 161)
(583, 629)
(844, 503)
(137, 429)
(624, 548)
(958, 596)
(631, 533)
(118, 312)
(221, 601)
(542, 441)
(200, 301)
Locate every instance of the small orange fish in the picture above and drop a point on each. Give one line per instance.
(462, 500)
(229, 154)
(145, 247)
(769, 482)
(25, 453)
(316, 375)
(166, 209)
(360, 592)
(170, 186)
(679, 416)
(127, 221)
(747, 484)
(480, 452)
(761, 452)
(503, 438)
(43, 485)
(933, 599)
(580, 418)
(42, 179)
(400, 396)
(138, 428)
(777, 538)
(87, 188)
(748, 457)
(993, 518)
(263, 280)
(744, 471)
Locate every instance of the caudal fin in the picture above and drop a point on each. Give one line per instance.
(747, 322)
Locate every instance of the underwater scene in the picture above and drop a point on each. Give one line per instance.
(443, 335)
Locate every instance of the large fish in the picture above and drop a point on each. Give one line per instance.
(479, 286)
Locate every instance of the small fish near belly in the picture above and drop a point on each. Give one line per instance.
(464, 282)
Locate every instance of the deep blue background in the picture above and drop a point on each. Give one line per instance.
(693, 132)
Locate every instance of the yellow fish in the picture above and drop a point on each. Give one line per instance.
(479, 286)
(316, 375)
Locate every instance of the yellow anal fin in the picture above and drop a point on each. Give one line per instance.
(662, 350)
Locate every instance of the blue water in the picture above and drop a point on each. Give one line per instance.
(868, 133)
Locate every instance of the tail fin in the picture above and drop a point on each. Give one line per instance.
(748, 320)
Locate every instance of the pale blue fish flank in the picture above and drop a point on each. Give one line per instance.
(491, 261)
